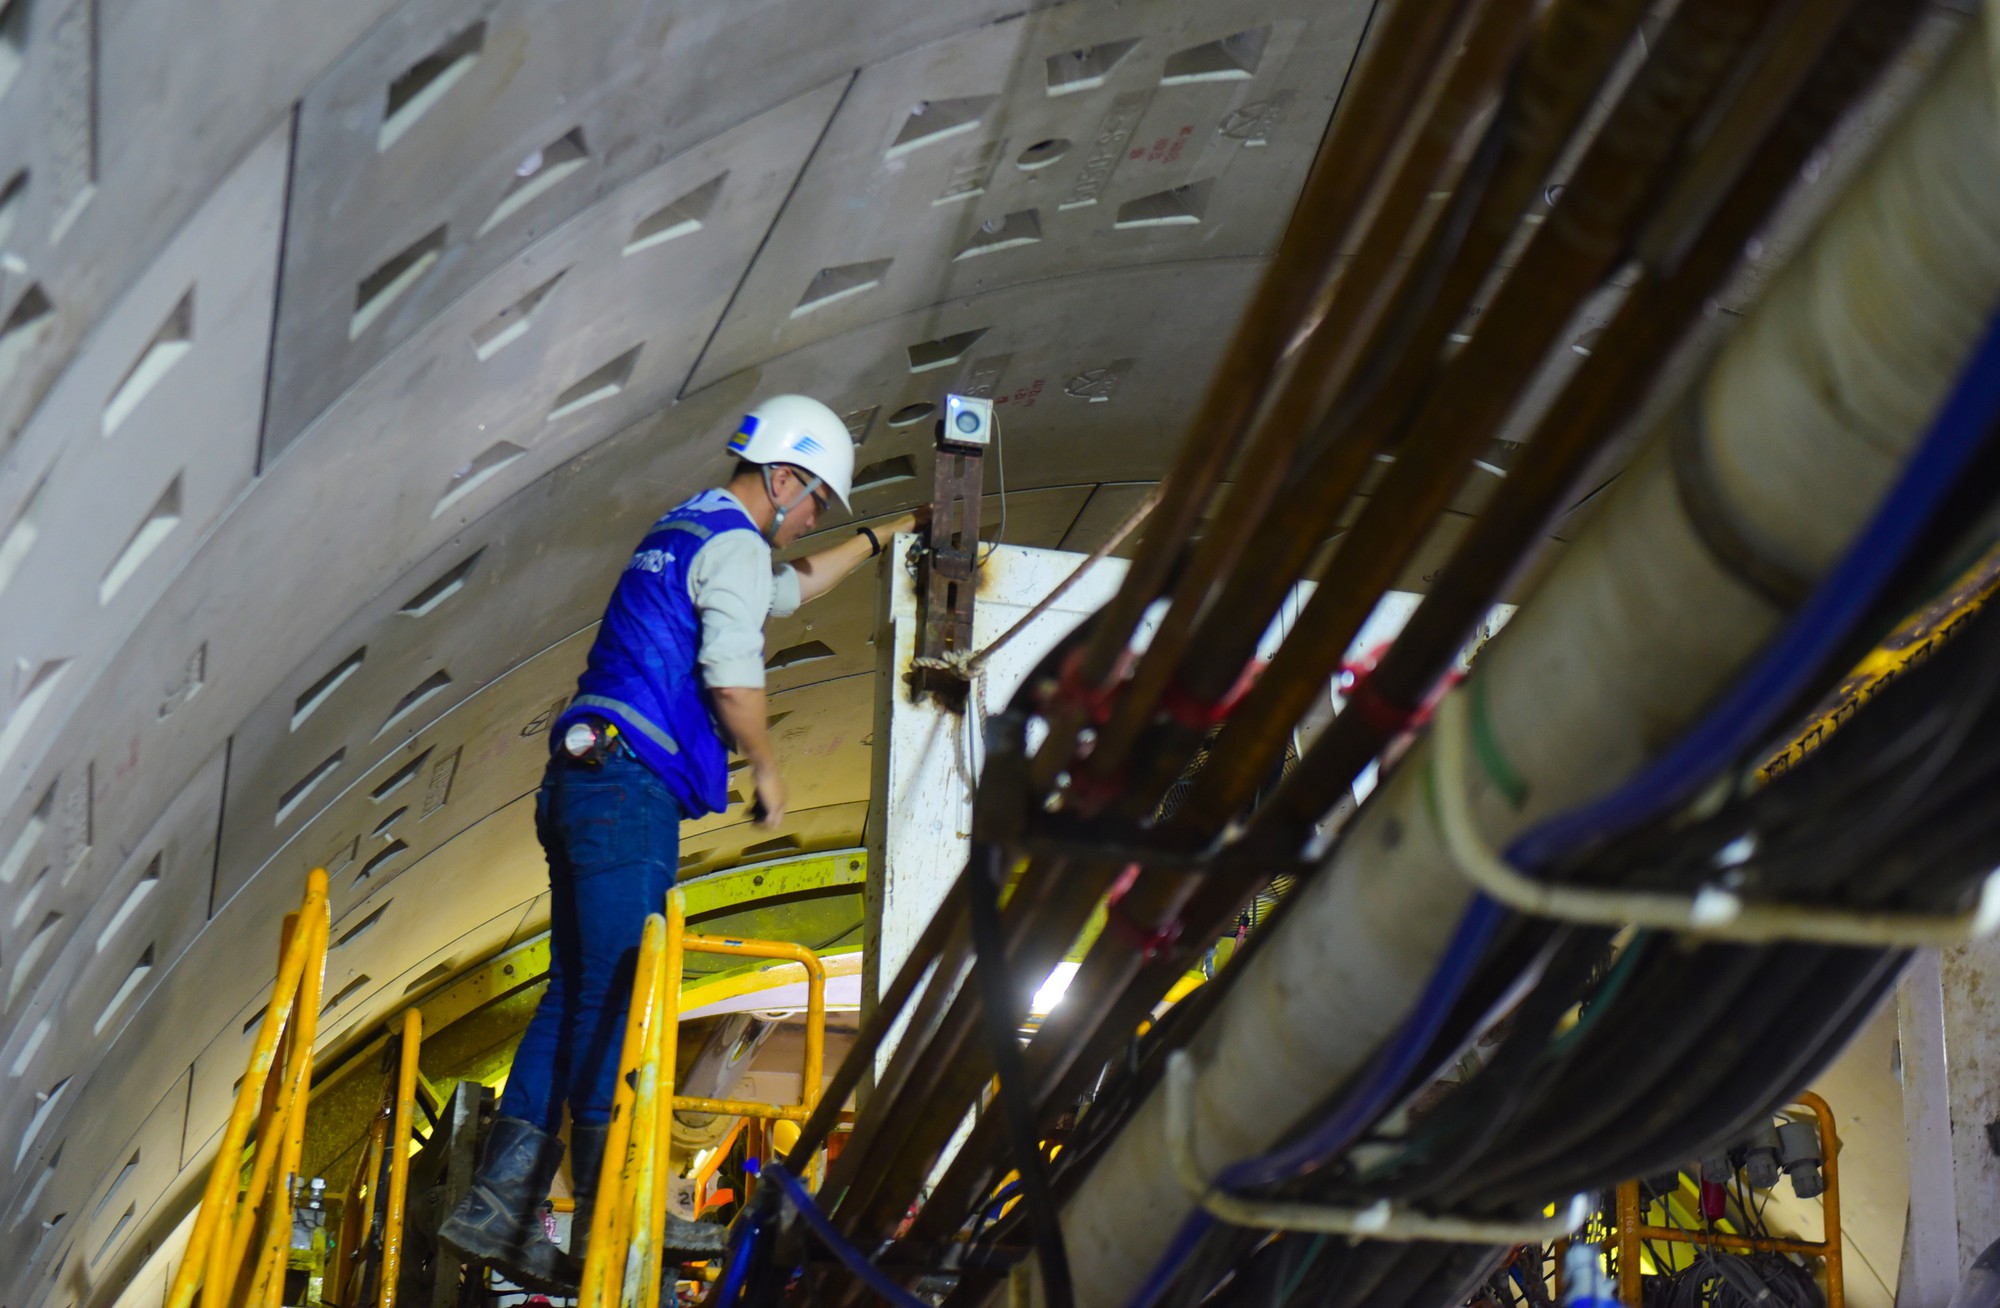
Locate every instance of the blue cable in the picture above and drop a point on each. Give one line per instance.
(854, 1260)
(1744, 715)
(743, 1248)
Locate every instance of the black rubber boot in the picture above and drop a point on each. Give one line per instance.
(586, 1161)
(499, 1220)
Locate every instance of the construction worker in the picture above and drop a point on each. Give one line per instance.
(676, 676)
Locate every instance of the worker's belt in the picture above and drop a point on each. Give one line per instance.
(588, 740)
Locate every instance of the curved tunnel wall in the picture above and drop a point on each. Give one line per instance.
(344, 350)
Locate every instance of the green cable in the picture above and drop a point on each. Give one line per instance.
(1305, 1265)
(1486, 748)
(1614, 982)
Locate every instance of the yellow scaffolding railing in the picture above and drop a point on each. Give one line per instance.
(624, 1263)
(219, 1260)
(1633, 1231)
(394, 1120)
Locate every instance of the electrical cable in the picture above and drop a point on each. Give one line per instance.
(997, 1008)
(743, 1250)
(850, 1257)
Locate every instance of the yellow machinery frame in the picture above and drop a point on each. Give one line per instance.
(1632, 1230)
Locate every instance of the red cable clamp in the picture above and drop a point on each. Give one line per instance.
(1180, 705)
(1147, 943)
(1384, 716)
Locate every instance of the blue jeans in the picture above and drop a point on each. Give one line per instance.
(612, 836)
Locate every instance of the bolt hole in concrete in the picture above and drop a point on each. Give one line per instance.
(1041, 154)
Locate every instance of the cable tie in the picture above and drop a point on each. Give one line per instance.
(1382, 715)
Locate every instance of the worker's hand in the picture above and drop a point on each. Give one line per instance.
(767, 810)
(920, 520)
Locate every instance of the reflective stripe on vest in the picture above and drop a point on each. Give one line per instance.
(638, 721)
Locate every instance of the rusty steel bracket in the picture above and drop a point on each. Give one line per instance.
(950, 575)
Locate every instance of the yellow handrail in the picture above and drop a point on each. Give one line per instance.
(227, 1222)
(399, 1154)
(623, 1266)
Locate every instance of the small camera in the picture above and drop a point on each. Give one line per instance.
(968, 420)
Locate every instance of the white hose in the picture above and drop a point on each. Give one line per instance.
(1807, 413)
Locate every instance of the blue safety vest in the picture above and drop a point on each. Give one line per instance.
(643, 673)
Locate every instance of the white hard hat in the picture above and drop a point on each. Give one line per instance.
(799, 430)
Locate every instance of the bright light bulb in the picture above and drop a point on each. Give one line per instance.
(1052, 989)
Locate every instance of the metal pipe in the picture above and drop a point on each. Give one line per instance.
(399, 1158)
(1624, 640)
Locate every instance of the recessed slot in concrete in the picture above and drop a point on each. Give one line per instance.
(255, 1019)
(811, 651)
(40, 688)
(860, 421)
(34, 1195)
(538, 174)
(396, 275)
(30, 1047)
(27, 838)
(401, 777)
(442, 589)
(414, 698)
(12, 197)
(1041, 154)
(1232, 58)
(13, 40)
(345, 993)
(361, 928)
(1183, 206)
(148, 536)
(425, 82)
(600, 385)
(382, 827)
(430, 977)
(394, 850)
(931, 121)
(830, 285)
(477, 473)
(25, 909)
(45, 1108)
(124, 1175)
(912, 414)
(310, 699)
(886, 473)
(772, 848)
(512, 322)
(996, 234)
(23, 329)
(943, 352)
(31, 954)
(110, 1241)
(141, 890)
(291, 800)
(126, 989)
(21, 535)
(170, 344)
(1086, 69)
(683, 217)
